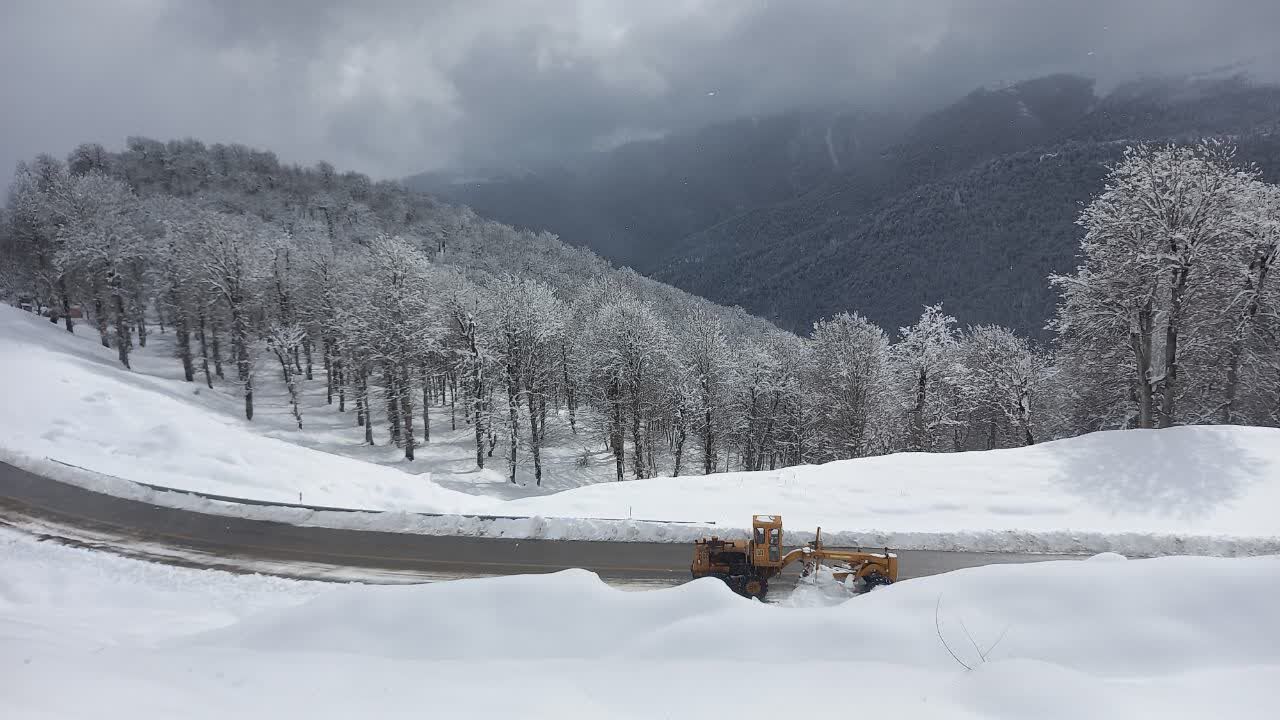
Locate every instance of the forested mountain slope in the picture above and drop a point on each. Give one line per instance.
(975, 208)
(349, 207)
(798, 216)
(634, 203)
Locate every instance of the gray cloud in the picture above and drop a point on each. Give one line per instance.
(397, 86)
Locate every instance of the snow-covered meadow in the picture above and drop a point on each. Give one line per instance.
(1208, 490)
(1107, 638)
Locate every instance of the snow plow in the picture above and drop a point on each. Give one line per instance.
(746, 566)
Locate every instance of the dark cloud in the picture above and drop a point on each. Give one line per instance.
(396, 86)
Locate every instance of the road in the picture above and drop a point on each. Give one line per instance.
(71, 514)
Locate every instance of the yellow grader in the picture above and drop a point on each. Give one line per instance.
(746, 566)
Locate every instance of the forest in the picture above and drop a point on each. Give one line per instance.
(396, 302)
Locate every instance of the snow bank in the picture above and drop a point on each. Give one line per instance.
(68, 399)
(1202, 490)
(1208, 490)
(1170, 638)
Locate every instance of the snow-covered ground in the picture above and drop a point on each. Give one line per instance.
(86, 634)
(1209, 490)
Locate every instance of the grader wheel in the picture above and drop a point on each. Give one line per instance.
(873, 580)
(756, 587)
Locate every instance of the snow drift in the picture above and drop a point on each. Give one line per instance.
(1205, 490)
(1107, 638)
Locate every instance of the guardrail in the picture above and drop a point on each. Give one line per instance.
(327, 508)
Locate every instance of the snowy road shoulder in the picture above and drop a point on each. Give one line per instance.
(1061, 542)
(1107, 638)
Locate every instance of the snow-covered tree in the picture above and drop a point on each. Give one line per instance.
(101, 242)
(631, 359)
(708, 367)
(229, 252)
(926, 361)
(527, 334)
(166, 224)
(392, 325)
(1154, 247)
(1000, 381)
(765, 381)
(1249, 310)
(283, 342)
(472, 359)
(35, 219)
(851, 358)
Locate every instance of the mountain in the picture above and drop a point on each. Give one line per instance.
(974, 208)
(802, 215)
(634, 203)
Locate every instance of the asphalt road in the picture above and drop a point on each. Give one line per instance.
(29, 500)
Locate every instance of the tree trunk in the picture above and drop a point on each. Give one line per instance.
(65, 297)
(404, 391)
(140, 321)
(637, 444)
(240, 345)
(306, 351)
(513, 411)
(326, 356)
(123, 342)
(477, 409)
(215, 349)
(204, 352)
(1140, 344)
(1169, 385)
(917, 412)
(535, 437)
(708, 441)
(183, 336)
(248, 398)
(568, 391)
(393, 406)
(766, 439)
(291, 385)
(340, 371)
(426, 407)
(1024, 417)
(679, 451)
(651, 466)
(1262, 264)
(366, 408)
(100, 317)
(800, 448)
(615, 430)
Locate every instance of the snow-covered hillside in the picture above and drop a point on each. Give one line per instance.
(86, 634)
(1208, 490)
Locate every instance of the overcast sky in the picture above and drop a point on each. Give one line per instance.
(390, 87)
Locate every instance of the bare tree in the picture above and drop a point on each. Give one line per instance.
(283, 342)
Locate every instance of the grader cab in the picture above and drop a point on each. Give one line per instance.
(746, 566)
